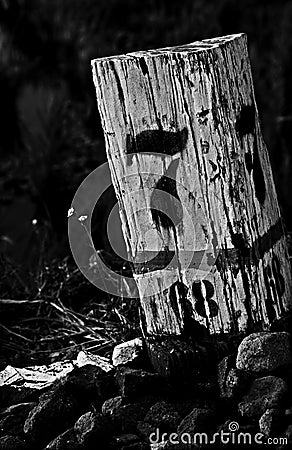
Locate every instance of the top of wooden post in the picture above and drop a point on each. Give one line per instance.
(193, 47)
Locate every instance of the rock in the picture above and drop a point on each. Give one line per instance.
(264, 393)
(126, 417)
(198, 420)
(283, 324)
(133, 382)
(56, 411)
(270, 422)
(145, 429)
(11, 395)
(20, 409)
(110, 405)
(12, 418)
(231, 381)
(264, 352)
(19, 385)
(128, 353)
(163, 416)
(91, 383)
(92, 430)
(65, 441)
(84, 358)
(9, 442)
(170, 356)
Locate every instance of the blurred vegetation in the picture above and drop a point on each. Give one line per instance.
(51, 136)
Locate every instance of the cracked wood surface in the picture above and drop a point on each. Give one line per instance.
(184, 120)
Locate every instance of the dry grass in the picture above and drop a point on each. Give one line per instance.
(65, 314)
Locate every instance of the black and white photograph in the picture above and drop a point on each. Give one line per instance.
(145, 224)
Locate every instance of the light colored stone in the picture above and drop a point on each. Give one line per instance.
(41, 377)
(264, 352)
(127, 352)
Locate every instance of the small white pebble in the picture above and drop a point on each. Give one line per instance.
(82, 218)
(70, 213)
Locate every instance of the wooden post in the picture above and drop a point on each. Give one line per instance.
(183, 121)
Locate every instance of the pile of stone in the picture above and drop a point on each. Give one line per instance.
(131, 407)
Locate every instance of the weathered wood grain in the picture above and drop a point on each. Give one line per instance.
(184, 120)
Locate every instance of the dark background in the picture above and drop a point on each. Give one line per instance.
(50, 133)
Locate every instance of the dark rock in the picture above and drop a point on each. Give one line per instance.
(93, 430)
(185, 407)
(133, 383)
(56, 411)
(163, 416)
(283, 324)
(199, 420)
(20, 409)
(231, 381)
(129, 353)
(126, 417)
(10, 395)
(264, 352)
(270, 422)
(170, 357)
(145, 429)
(90, 383)
(67, 400)
(12, 418)
(65, 441)
(9, 442)
(264, 393)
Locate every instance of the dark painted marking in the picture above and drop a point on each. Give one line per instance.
(203, 113)
(258, 175)
(233, 257)
(267, 241)
(177, 294)
(245, 122)
(157, 141)
(201, 298)
(149, 261)
(203, 116)
(170, 204)
(210, 291)
(243, 254)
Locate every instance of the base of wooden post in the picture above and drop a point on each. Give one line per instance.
(172, 356)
